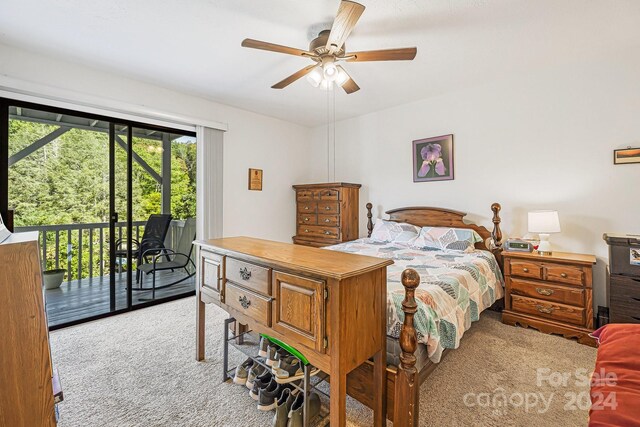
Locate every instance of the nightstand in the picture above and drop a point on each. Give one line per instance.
(550, 293)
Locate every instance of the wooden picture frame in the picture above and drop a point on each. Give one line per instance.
(255, 179)
(625, 156)
(433, 159)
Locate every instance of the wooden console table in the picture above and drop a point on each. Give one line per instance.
(328, 305)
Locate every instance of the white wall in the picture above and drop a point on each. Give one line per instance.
(536, 141)
(253, 140)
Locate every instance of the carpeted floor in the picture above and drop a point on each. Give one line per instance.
(138, 369)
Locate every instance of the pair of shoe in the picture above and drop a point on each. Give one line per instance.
(289, 409)
(247, 372)
(267, 391)
(273, 353)
(284, 366)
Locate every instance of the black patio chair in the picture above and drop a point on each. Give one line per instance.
(175, 259)
(152, 241)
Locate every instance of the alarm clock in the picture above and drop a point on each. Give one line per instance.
(518, 245)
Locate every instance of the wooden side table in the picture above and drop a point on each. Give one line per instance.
(550, 293)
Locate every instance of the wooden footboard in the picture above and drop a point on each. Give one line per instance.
(403, 382)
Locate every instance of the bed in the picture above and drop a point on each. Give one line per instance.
(432, 299)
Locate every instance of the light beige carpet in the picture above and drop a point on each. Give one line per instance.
(138, 369)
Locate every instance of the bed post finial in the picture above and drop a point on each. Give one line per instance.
(496, 234)
(406, 399)
(369, 222)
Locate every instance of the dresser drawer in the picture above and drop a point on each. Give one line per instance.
(249, 275)
(329, 220)
(212, 269)
(329, 194)
(299, 309)
(309, 219)
(249, 303)
(561, 273)
(305, 195)
(547, 292)
(328, 207)
(526, 269)
(549, 310)
(318, 231)
(307, 207)
(624, 306)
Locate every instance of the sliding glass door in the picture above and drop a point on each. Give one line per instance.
(113, 202)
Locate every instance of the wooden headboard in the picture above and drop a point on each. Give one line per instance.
(439, 217)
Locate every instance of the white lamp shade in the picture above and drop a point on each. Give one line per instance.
(544, 222)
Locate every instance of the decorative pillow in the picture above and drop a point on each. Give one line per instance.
(444, 238)
(389, 231)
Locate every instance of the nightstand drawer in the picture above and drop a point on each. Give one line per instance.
(526, 269)
(329, 194)
(329, 220)
(305, 195)
(547, 292)
(564, 274)
(549, 310)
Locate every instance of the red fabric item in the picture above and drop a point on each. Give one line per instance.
(615, 386)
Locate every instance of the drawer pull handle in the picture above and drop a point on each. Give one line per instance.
(306, 219)
(244, 302)
(306, 230)
(634, 298)
(327, 220)
(327, 232)
(526, 270)
(563, 275)
(636, 318)
(245, 274)
(543, 291)
(327, 208)
(545, 310)
(306, 208)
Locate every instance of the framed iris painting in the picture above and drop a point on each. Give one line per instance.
(433, 159)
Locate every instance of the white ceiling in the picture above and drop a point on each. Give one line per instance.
(194, 46)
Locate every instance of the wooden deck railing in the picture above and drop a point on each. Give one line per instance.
(83, 249)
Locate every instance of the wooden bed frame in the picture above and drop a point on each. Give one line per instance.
(403, 381)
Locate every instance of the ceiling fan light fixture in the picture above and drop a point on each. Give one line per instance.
(315, 77)
(329, 69)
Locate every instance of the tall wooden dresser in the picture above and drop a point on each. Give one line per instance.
(327, 214)
(551, 293)
(26, 374)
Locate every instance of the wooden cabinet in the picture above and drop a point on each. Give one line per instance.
(551, 293)
(299, 308)
(328, 305)
(26, 374)
(326, 213)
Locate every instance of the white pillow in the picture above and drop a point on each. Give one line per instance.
(446, 238)
(390, 231)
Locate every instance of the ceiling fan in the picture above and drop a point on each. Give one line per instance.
(328, 49)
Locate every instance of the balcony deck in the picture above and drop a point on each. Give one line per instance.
(79, 299)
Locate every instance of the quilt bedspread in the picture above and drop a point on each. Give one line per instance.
(455, 287)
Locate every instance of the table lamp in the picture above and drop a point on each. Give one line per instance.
(544, 223)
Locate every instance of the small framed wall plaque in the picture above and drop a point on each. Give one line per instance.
(626, 155)
(255, 179)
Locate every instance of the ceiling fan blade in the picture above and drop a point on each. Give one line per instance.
(400, 54)
(293, 77)
(257, 44)
(348, 14)
(349, 85)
